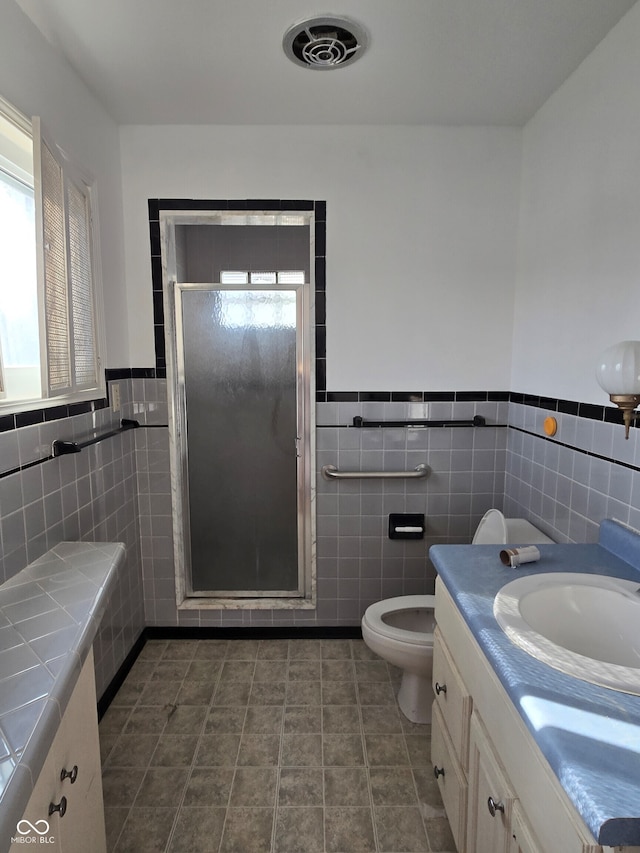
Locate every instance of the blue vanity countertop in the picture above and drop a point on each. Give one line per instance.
(49, 616)
(590, 735)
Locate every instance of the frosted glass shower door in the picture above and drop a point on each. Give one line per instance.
(240, 373)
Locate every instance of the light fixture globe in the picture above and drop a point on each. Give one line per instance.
(618, 373)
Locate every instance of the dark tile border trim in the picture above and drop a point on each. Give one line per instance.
(70, 410)
(253, 632)
(115, 373)
(258, 632)
(155, 205)
(51, 413)
(118, 679)
(578, 449)
(412, 396)
(590, 411)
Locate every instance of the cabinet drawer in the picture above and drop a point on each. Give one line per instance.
(451, 779)
(452, 698)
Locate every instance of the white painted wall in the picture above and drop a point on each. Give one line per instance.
(422, 222)
(578, 288)
(421, 237)
(37, 80)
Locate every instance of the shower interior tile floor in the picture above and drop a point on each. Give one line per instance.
(281, 746)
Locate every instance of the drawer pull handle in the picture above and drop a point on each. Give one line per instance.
(438, 771)
(440, 688)
(60, 807)
(71, 775)
(494, 807)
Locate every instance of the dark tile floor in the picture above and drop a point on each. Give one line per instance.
(266, 746)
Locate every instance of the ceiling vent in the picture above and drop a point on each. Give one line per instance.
(325, 42)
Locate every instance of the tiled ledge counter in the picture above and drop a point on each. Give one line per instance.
(49, 616)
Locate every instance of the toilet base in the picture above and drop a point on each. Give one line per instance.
(415, 697)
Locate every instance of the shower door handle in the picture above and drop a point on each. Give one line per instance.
(297, 441)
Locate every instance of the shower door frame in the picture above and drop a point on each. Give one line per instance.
(305, 596)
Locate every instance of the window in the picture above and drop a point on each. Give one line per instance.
(244, 277)
(19, 334)
(48, 279)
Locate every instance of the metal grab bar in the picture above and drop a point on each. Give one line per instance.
(62, 448)
(330, 472)
(476, 421)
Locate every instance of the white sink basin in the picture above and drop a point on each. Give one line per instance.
(587, 626)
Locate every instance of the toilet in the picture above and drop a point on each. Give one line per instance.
(400, 630)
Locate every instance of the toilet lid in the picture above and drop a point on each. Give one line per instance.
(492, 529)
(376, 614)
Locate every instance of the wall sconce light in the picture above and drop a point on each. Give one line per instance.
(618, 373)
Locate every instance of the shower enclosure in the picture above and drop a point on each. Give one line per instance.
(238, 320)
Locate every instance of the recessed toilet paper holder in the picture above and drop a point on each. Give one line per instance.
(406, 525)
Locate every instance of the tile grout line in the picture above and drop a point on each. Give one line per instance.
(177, 814)
(322, 774)
(365, 753)
(195, 752)
(236, 765)
(276, 804)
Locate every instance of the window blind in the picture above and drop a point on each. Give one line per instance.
(56, 297)
(68, 297)
(81, 280)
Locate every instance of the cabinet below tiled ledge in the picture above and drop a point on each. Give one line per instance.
(66, 805)
(50, 613)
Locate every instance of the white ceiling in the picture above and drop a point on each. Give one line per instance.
(449, 62)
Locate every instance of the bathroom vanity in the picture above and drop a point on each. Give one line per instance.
(50, 775)
(528, 759)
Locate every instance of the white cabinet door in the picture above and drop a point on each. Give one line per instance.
(452, 698)
(37, 826)
(451, 779)
(77, 755)
(78, 825)
(522, 837)
(490, 796)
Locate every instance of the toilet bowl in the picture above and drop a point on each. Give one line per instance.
(400, 630)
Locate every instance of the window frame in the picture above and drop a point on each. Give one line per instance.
(85, 185)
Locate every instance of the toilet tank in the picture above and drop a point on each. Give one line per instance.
(495, 529)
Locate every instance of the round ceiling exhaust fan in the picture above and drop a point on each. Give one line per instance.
(325, 42)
